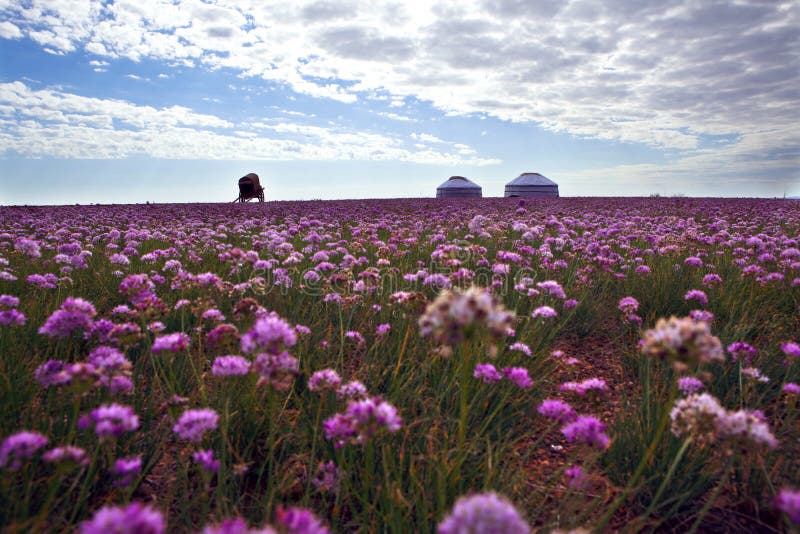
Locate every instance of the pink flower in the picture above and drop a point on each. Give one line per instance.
(544, 312)
(174, 342)
(487, 372)
(192, 424)
(699, 296)
(519, 376)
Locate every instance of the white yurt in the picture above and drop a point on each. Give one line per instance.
(531, 184)
(458, 187)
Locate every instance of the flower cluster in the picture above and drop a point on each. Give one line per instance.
(587, 429)
(683, 341)
(788, 502)
(111, 420)
(20, 446)
(174, 342)
(362, 420)
(9, 314)
(588, 386)
(704, 419)
(483, 513)
(489, 374)
(231, 365)
(74, 314)
(270, 334)
(192, 424)
(455, 315)
(135, 518)
(557, 410)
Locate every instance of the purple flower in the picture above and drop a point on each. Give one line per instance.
(522, 347)
(134, 518)
(276, 370)
(20, 446)
(12, 318)
(213, 315)
(693, 261)
(231, 526)
(361, 420)
(690, 385)
(270, 334)
(324, 379)
(576, 477)
(29, 247)
(352, 334)
(300, 521)
(791, 349)
(701, 315)
(64, 454)
(193, 423)
(487, 372)
(553, 288)
(352, 390)
(174, 342)
(382, 329)
(338, 429)
(788, 502)
(206, 460)
(327, 478)
(126, 470)
(47, 281)
(544, 312)
(519, 376)
(557, 410)
(483, 513)
(628, 305)
(113, 420)
(230, 366)
(53, 373)
(742, 350)
(587, 429)
(590, 385)
(712, 279)
(74, 314)
(698, 295)
(109, 360)
(791, 388)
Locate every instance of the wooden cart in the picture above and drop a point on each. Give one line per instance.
(250, 188)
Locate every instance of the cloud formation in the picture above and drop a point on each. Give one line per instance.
(37, 123)
(665, 73)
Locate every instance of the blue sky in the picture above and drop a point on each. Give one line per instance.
(134, 101)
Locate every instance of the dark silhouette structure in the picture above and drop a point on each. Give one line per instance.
(250, 188)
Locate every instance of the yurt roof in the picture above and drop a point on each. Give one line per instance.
(531, 178)
(459, 182)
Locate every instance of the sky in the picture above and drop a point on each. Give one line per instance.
(126, 101)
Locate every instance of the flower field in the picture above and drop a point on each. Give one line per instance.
(419, 365)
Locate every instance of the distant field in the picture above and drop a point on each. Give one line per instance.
(401, 366)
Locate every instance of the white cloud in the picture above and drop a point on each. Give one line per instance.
(38, 123)
(427, 138)
(9, 30)
(663, 74)
(396, 117)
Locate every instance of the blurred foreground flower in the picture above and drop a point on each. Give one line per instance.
(483, 513)
(20, 446)
(683, 341)
(455, 315)
(788, 502)
(134, 518)
(701, 417)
